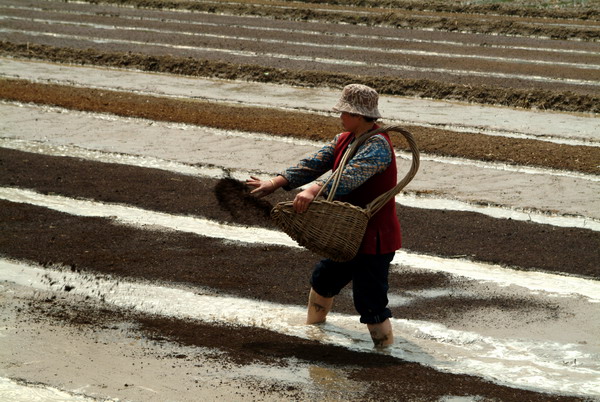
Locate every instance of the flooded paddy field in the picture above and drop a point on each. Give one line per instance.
(135, 265)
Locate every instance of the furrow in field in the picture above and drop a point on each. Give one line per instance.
(305, 125)
(438, 232)
(349, 56)
(420, 11)
(523, 9)
(406, 198)
(178, 33)
(264, 237)
(422, 86)
(561, 79)
(412, 40)
(233, 149)
(541, 368)
(389, 17)
(560, 128)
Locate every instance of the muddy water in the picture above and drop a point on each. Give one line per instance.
(557, 127)
(120, 364)
(15, 392)
(542, 366)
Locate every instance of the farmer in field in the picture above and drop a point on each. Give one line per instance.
(371, 172)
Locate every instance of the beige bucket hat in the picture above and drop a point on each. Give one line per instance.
(358, 99)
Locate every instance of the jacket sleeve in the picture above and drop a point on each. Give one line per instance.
(311, 167)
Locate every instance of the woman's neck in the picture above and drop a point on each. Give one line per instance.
(362, 128)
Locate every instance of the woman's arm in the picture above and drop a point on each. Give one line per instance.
(307, 170)
(311, 167)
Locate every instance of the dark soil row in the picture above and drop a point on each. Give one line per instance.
(566, 11)
(446, 233)
(269, 273)
(300, 125)
(457, 22)
(383, 377)
(483, 94)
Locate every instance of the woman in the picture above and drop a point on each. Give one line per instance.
(371, 172)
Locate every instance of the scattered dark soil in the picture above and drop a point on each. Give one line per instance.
(270, 273)
(383, 376)
(521, 8)
(400, 14)
(233, 196)
(448, 308)
(300, 125)
(524, 245)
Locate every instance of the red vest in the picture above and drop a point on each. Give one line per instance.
(383, 229)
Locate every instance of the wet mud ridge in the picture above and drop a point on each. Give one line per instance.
(529, 71)
(479, 18)
(299, 125)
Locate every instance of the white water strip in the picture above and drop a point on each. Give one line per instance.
(311, 59)
(406, 199)
(309, 32)
(503, 166)
(311, 44)
(414, 201)
(534, 281)
(541, 366)
(492, 132)
(557, 284)
(15, 392)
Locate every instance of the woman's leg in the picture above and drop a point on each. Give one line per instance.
(381, 333)
(318, 307)
(327, 279)
(370, 287)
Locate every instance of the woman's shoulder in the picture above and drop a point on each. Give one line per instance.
(379, 139)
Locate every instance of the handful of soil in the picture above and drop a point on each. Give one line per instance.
(234, 197)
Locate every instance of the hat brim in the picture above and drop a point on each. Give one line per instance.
(342, 106)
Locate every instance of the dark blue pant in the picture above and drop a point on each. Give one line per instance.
(369, 276)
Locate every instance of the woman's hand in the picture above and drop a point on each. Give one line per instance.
(265, 187)
(305, 197)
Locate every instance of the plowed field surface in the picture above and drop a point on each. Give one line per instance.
(135, 265)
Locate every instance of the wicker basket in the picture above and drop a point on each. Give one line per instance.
(335, 229)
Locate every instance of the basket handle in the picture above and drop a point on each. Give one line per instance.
(380, 201)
